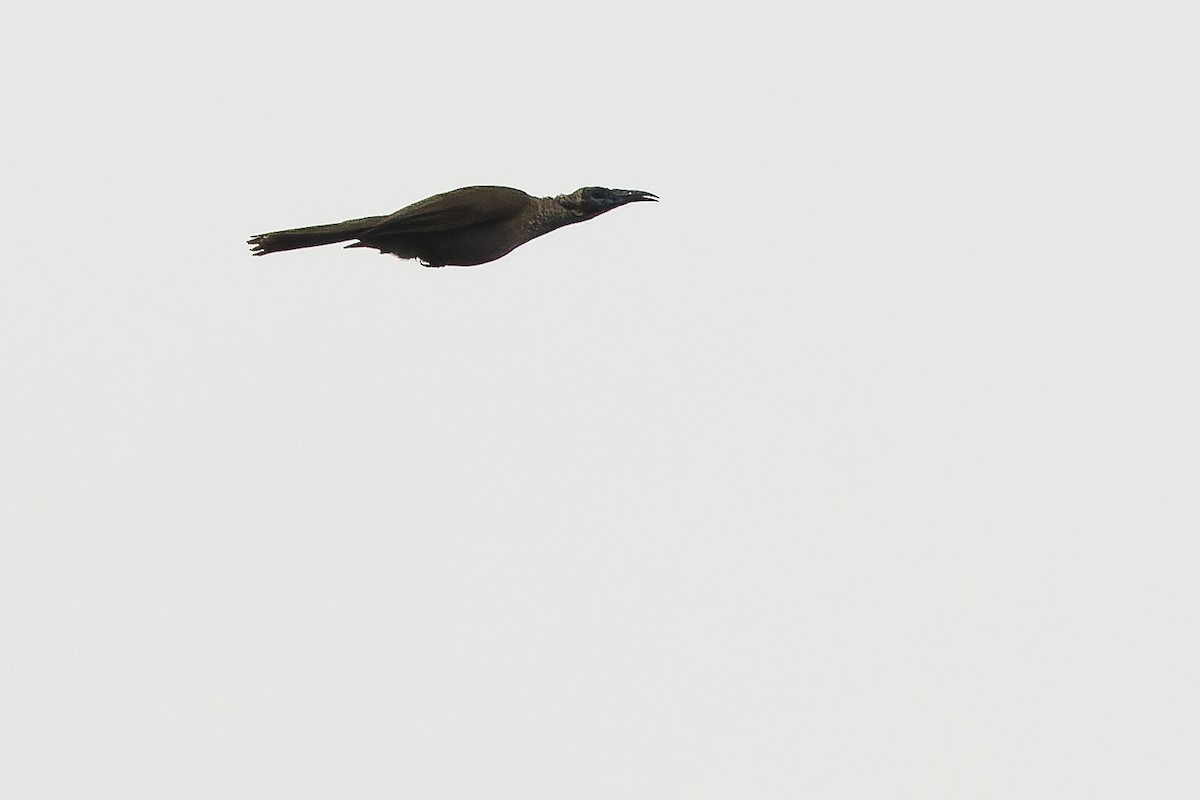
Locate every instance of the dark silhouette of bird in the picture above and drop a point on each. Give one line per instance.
(461, 228)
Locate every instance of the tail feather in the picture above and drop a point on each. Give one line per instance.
(295, 238)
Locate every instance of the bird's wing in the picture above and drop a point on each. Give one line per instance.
(460, 208)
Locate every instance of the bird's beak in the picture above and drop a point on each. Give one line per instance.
(623, 196)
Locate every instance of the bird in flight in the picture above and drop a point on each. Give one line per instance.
(461, 228)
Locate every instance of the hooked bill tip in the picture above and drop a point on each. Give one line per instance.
(638, 194)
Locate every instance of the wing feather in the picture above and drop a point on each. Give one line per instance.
(461, 208)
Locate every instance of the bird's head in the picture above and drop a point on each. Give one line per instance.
(592, 201)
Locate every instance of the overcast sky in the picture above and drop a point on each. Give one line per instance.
(865, 464)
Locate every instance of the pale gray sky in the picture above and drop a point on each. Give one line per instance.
(865, 464)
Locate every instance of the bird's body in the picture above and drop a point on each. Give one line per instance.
(464, 227)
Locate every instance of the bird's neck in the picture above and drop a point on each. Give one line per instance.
(547, 215)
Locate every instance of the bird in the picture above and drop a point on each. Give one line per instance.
(463, 228)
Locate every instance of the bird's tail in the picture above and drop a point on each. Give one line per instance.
(296, 238)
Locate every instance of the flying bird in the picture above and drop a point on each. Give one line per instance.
(461, 228)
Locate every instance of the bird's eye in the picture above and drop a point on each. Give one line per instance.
(593, 193)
